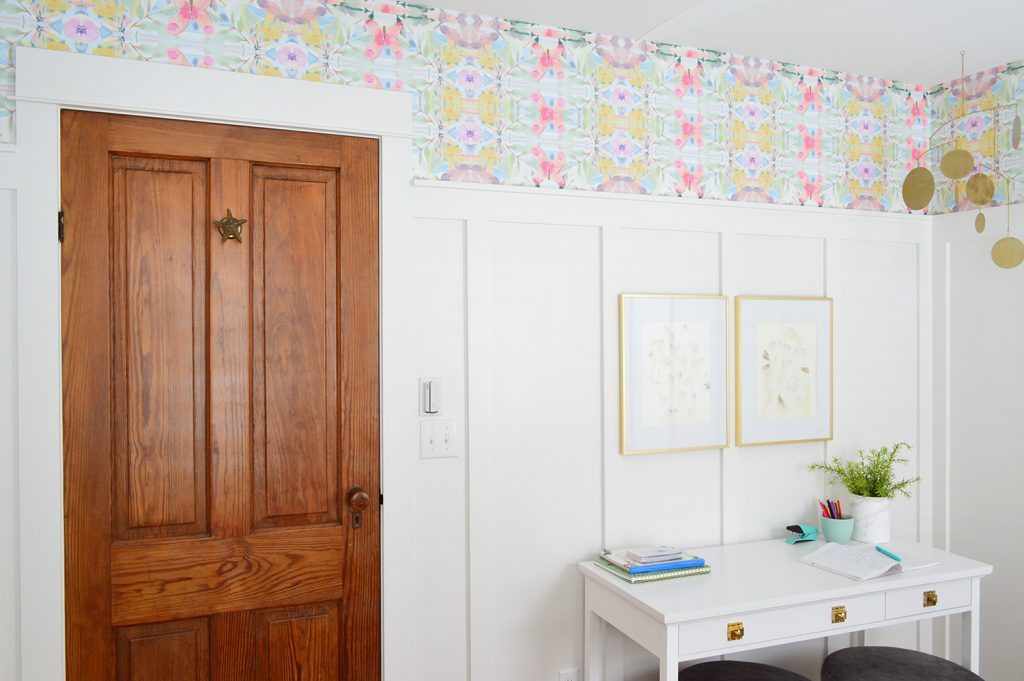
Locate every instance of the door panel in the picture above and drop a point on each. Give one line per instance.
(298, 644)
(159, 336)
(175, 651)
(295, 281)
(221, 402)
(165, 580)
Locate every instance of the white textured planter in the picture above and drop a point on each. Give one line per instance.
(873, 519)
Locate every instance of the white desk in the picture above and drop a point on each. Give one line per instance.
(769, 598)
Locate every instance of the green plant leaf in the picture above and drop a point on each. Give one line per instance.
(872, 474)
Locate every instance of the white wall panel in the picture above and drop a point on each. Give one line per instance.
(985, 448)
(773, 487)
(438, 293)
(656, 498)
(535, 440)
(8, 443)
(874, 285)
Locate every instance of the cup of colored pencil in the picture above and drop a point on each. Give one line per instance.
(834, 525)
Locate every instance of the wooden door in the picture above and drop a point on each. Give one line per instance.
(220, 403)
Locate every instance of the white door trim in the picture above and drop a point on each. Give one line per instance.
(48, 81)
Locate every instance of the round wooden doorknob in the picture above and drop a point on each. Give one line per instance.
(358, 499)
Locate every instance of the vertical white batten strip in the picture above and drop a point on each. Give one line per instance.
(478, 358)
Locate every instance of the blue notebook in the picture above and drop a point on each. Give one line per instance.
(618, 558)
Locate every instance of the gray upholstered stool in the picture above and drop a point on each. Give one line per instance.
(879, 663)
(730, 670)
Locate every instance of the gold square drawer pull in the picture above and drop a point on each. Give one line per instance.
(734, 632)
(838, 614)
(931, 599)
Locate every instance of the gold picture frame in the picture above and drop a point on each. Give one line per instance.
(719, 366)
(797, 424)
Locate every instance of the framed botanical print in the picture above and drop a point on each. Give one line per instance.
(783, 370)
(673, 369)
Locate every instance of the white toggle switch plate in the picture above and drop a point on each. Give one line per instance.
(438, 438)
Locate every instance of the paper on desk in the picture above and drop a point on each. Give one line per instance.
(860, 562)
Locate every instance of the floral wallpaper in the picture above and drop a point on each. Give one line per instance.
(510, 102)
(985, 129)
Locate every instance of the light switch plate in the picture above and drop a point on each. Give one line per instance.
(438, 438)
(569, 674)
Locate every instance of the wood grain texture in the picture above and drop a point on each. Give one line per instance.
(147, 136)
(85, 319)
(295, 396)
(159, 331)
(189, 551)
(359, 371)
(170, 651)
(153, 581)
(230, 355)
(234, 637)
(299, 644)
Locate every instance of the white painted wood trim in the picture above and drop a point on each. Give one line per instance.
(659, 198)
(49, 81)
(462, 201)
(69, 79)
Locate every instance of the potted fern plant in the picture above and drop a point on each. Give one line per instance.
(872, 481)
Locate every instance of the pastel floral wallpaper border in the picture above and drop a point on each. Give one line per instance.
(986, 133)
(515, 103)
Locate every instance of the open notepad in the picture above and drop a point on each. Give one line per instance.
(861, 562)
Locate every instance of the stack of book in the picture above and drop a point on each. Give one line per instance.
(651, 563)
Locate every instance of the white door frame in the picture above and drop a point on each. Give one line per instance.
(48, 81)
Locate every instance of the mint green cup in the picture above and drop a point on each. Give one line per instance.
(839, 531)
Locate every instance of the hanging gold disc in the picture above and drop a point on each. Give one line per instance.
(957, 164)
(918, 188)
(1015, 137)
(1008, 252)
(979, 223)
(981, 189)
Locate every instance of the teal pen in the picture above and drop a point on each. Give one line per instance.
(888, 553)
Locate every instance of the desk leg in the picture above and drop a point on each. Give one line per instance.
(970, 630)
(669, 658)
(593, 642)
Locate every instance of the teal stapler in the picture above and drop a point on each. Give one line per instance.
(802, 533)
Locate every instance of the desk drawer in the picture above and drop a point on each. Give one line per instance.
(769, 625)
(921, 600)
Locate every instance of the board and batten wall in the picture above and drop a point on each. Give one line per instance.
(510, 295)
(512, 300)
(978, 327)
(515, 295)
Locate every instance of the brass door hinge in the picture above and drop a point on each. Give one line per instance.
(60, 226)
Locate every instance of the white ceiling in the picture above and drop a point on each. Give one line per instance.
(916, 41)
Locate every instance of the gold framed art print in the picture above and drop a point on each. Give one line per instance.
(784, 369)
(673, 372)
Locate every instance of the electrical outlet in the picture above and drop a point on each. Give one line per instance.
(569, 674)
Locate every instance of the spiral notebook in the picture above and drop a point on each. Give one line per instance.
(644, 577)
(862, 562)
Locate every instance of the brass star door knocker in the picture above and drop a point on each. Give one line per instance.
(230, 227)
